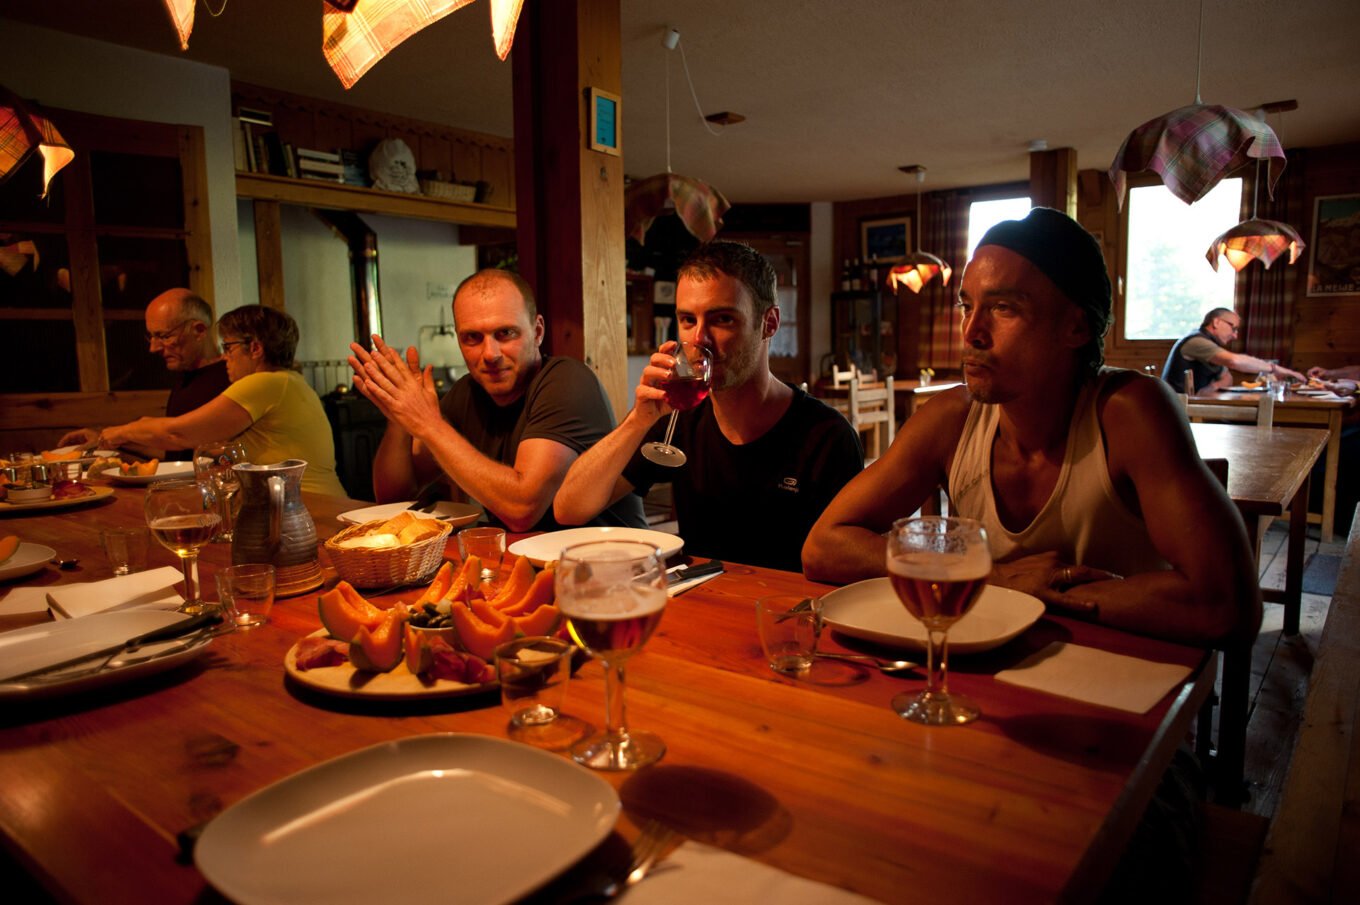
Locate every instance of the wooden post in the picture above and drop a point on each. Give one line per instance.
(269, 253)
(1053, 180)
(569, 198)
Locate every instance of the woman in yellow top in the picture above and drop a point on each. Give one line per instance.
(268, 408)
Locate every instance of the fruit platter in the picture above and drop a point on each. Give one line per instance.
(442, 644)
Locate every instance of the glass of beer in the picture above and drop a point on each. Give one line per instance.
(938, 568)
(182, 516)
(685, 387)
(613, 594)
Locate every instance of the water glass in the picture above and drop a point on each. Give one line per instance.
(247, 593)
(789, 627)
(488, 545)
(22, 463)
(533, 672)
(125, 548)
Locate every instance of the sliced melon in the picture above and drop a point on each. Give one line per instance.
(478, 637)
(521, 577)
(343, 612)
(379, 649)
(542, 621)
(9, 543)
(443, 580)
(419, 657)
(539, 594)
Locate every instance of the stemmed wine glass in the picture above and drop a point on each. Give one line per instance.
(213, 464)
(938, 568)
(182, 519)
(613, 594)
(686, 387)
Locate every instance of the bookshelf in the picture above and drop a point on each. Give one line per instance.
(337, 196)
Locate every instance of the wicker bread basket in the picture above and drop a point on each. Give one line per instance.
(386, 566)
(453, 191)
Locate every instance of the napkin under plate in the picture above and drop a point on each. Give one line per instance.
(695, 872)
(153, 589)
(1096, 676)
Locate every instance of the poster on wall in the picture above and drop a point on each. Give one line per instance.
(1334, 262)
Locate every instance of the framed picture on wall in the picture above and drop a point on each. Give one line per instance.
(604, 122)
(886, 240)
(1334, 255)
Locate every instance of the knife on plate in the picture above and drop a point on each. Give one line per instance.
(174, 630)
(427, 499)
(676, 574)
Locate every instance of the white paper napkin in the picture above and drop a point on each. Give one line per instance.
(24, 600)
(681, 587)
(1096, 676)
(154, 589)
(700, 873)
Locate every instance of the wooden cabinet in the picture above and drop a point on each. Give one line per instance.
(864, 330)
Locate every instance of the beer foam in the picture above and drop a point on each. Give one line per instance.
(614, 603)
(970, 565)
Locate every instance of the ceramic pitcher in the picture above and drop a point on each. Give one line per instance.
(275, 527)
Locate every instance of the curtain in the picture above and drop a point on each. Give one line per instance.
(1267, 296)
(944, 233)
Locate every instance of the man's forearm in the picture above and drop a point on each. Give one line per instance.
(590, 484)
(516, 499)
(844, 553)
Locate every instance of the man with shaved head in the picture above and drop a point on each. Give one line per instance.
(508, 430)
(179, 330)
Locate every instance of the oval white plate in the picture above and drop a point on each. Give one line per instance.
(52, 642)
(870, 610)
(453, 817)
(456, 514)
(546, 548)
(26, 560)
(96, 493)
(165, 471)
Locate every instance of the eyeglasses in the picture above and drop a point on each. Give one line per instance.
(227, 344)
(164, 336)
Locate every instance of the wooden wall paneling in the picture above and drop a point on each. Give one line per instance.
(1053, 179)
(331, 131)
(86, 290)
(269, 253)
(198, 238)
(295, 125)
(497, 166)
(436, 153)
(64, 411)
(465, 159)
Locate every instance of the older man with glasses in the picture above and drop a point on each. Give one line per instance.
(1205, 355)
(179, 330)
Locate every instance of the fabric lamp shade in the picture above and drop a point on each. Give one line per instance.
(917, 269)
(182, 17)
(23, 131)
(353, 42)
(1195, 146)
(698, 205)
(1266, 240)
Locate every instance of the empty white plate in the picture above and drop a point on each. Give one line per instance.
(456, 514)
(870, 610)
(545, 548)
(26, 560)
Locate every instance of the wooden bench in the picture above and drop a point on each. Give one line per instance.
(1312, 853)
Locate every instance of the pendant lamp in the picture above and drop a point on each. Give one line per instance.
(24, 130)
(918, 268)
(1195, 146)
(1256, 239)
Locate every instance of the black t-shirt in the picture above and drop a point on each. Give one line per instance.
(564, 402)
(191, 390)
(1204, 371)
(756, 502)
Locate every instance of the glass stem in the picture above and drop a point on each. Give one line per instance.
(192, 597)
(226, 529)
(615, 713)
(670, 428)
(937, 662)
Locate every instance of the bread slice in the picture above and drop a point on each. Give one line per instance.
(419, 530)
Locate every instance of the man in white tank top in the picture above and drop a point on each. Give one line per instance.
(1087, 479)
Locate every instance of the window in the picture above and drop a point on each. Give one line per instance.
(983, 215)
(1168, 284)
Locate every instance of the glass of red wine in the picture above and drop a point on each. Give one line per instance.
(937, 567)
(686, 387)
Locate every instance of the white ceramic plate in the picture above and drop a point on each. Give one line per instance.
(456, 514)
(1244, 389)
(464, 818)
(96, 493)
(870, 610)
(165, 471)
(1311, 391)
(52, 642)
(545, 548)
(397, 685)
(26, 560)
(96, 454)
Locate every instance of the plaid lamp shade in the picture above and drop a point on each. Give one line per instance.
(918, 269)
(1196, 146)
(182, 17)
(699, 206)
(24, 130)
(1252, 239)
(355, 41)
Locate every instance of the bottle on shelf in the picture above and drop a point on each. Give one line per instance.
(845, 275)
(856, 276)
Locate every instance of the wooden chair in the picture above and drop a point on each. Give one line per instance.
(871, 409)
(1262, 416)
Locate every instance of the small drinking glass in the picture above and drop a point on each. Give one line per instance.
(125, 549)
(247, 593)
(686, 387)
(613, 594)
(938, 567)
(213, 464)
(533, 672)
(789, 627)
(182, 516)
(488, 545)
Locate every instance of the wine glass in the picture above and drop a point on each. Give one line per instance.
(213, 465)
(938, 567)
(613, 594)
(182, 519)
(686, 387)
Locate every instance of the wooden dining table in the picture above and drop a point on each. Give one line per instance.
(1303, 411)
(813, 774)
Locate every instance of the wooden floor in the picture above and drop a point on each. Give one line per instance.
(1280, 669)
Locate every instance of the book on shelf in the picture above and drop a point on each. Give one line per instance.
(324, 177)
(355, 172)
(238, 145)
(275, 157)
(289, 160)
(313, 154)
(248, 138)
(307, 164)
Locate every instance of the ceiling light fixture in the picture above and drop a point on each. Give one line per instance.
(918, 268)
(1193, 147)
(24, 130)
(1250, 240)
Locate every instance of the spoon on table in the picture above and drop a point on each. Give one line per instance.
(890, 667)
(65, 563)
